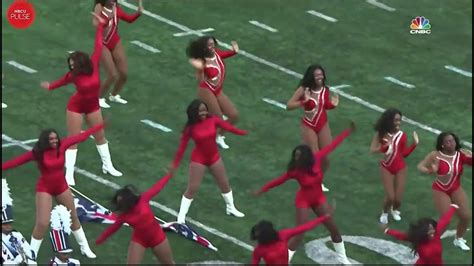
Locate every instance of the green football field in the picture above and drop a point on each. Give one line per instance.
(360, 48)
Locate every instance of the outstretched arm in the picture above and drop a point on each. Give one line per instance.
(64, 80)
(108, 232)
(69, 141)
(229, 127)
(17, 161)
(275, 182)
(291, 232)
(157, 187)
(126, 17)
(333, 145)
(397, 234)
(182, 147)
(445, 219)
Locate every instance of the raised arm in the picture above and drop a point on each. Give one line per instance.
(397, 234)
(157, 187)
(445, 219)
(69, 141)
(98, 45)
(291, 232)
(427, 165)
(275, 182)
(295, 100)
(406, 151)
(126, 17)
(333, 145)
(17, 161)
(224, 54)
(183, 143)
(228, 126)
(108, 232)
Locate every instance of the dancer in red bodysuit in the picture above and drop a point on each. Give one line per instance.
(49, 152)
(113, 57)
(313, 96)
(135, 210)
(446, 163)
(273, 245)
(209, 63)
(84, 73)
(202, 128)
(392, 142)
(425, 235)
(306, 168)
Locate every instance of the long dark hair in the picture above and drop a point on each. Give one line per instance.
(308, 79)
(385, 122)
(43, 144)
(305, 161)
(193, 112)
(125, 199)
(82, 63)
(103, 2)
(439, 141)
(418, 232)
(198, 48)
(264, 233)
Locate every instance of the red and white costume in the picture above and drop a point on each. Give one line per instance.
(146, 229)
(52, 180)
(310, 193)
(315, 116)
(276, 253)
(86, 98)
(214, 72)
(451, 166)
(431, 251)
(395, 150)
(112, 37)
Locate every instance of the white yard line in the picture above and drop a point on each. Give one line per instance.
(460, 71)
(162, 207)
(381, 5)
(145, 46)
(22, 67)
(321, 15)
(263, 26)
(285, 70)
(15, 144)
(179, 34)
(399, 82)
(156, 125)
(275, 103)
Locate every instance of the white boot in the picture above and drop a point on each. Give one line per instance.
(183, 209)
(117, 99)
(325, 189)
(384, 218)
(230, 208)
(396, 214)
(221, 142)
(291, 253)
(69, 164)
(82, 241)
(107, 166)
(341, 252)
(4, 105)
(103, 103)
(35, 245)
(461, 243)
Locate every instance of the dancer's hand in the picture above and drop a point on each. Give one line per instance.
(256, 193)
(45, 85)
(466, 152)
(140, 6)
(235, 46)
(415, 138)
(335, 99)
(99, 18)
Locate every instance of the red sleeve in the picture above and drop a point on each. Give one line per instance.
(108, 232)
(64, 80)
(291, 232)
(397, 234)
(327, 101)
(256, 257)
(275, 182)
(17, 161)
(333, 145)
(444, 220)
(126, 17)
(228, 126)
(182, 147)
(225, 54)
(406, 150)
(98, 46)
(156, 188)
(69, 141)
(465, 159)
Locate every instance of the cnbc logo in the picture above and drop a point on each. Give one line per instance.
(420, 25)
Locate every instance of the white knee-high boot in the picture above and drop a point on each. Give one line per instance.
(69, 163)
(183, 209)
(341, 252)
(291, 253)
(81, 239)
(107, 166)
(230, 207)
(35, 245)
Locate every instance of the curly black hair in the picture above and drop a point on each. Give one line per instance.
(264, 233)
(43, 144)
(308, 79)
(305, 160)
(439, 141)
(418, 232)
(199, 49)
(385, 122)
(125, 199)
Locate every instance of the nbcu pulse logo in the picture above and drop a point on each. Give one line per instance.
(420, 25)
